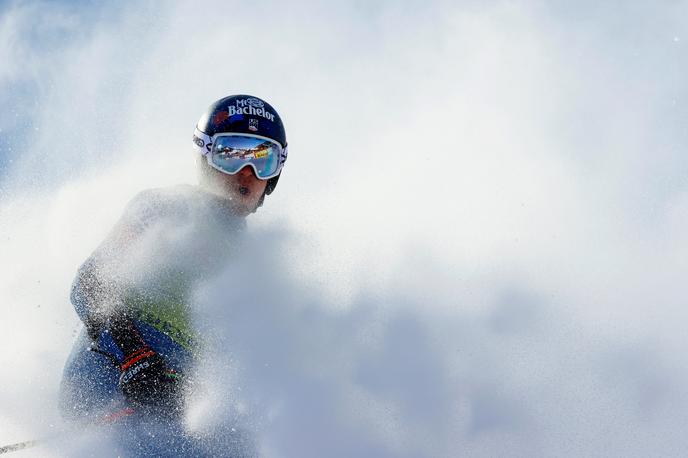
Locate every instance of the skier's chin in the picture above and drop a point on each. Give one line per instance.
(242, 203)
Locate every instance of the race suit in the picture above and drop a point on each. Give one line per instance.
(166, 242)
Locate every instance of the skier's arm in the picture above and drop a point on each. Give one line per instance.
(101, 281)
(145, 378)
(97, 295)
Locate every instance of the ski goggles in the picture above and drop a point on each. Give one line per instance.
(229, 153)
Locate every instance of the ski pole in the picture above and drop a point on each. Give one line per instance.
(19, 446)
(108, 419)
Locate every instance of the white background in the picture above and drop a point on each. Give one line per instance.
(484, 207)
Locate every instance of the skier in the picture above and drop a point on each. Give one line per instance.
(133, 292)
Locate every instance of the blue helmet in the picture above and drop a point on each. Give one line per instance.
(242, 114)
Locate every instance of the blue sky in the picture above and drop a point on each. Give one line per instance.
(497, 186)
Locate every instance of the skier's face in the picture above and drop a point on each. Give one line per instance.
(243, 188)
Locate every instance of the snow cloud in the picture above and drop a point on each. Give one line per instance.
(477, 246)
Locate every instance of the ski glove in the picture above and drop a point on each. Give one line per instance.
(146, 381)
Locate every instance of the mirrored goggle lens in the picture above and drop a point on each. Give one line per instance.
(231, 153)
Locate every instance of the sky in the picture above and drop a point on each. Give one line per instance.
(482, 220)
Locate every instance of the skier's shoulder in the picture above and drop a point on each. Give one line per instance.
(180, 204)
(156, 203)
(165, 196)
(161, 200)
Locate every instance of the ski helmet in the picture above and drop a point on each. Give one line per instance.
(243, 114)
